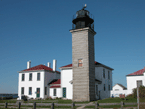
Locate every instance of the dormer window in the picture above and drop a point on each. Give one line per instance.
(80, 63)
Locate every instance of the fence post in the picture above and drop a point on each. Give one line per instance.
(96, 105)
(6, 104)
(121, 104)
(72, 106)
(34, 105)
(52, 105)
(19, 105)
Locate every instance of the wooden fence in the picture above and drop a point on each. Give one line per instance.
(96, 104)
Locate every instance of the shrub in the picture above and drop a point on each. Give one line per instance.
(141, 92)
(129, 96)
(25, 98)
(49, 98)
(9, 97)
(2, 98)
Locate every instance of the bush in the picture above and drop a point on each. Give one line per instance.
(49, 98)
(2, 98)
(9, 97)
(25, 98)
(129, 96)
(141, 92)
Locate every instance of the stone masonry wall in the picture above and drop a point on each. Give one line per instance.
(83, 77)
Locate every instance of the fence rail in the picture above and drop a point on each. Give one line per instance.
(96, 104)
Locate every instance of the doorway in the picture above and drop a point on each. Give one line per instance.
(64, 92)
(37, 92)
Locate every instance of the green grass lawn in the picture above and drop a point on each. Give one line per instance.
(8, 101)
(60, 101)
(117, 100)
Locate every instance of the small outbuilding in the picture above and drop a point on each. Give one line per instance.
(117, 90)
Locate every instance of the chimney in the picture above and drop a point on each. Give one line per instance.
(54, 65)
(49, 64)
(28, 64)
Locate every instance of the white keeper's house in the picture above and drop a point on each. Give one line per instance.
(133, 78)
(83, 80)
(33, 81)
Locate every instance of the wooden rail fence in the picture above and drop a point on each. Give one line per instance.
(96, 104)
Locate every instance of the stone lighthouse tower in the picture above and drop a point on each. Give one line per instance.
(83, 56)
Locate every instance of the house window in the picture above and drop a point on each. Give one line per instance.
(108, 74)
(30, 76)
(22, 90)
(116, 89)
(54, 92)
(104, 87)
(45, 90)
(30, 90)
(96, 89)
(38, 76)
(80, 63)
(139, 83)
(23, 77)
(104, 73)
(109, 87)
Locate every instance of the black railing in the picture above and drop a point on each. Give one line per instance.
(89, 14)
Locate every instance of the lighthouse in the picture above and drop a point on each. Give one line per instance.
(83, 56)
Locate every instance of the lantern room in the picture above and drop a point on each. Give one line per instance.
(83, 19)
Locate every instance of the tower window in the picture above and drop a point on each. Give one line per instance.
(80, 63)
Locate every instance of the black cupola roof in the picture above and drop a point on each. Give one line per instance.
(83, 19)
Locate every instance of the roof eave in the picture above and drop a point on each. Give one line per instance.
(135, 75)
(61, 68)
(36, 70)
(30, 71)
(104, 66)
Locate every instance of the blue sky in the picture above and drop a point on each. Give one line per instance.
(38, 30)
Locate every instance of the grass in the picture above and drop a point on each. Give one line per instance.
(8, 101)
(113, 106)
(117, 100)
(60, 101)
